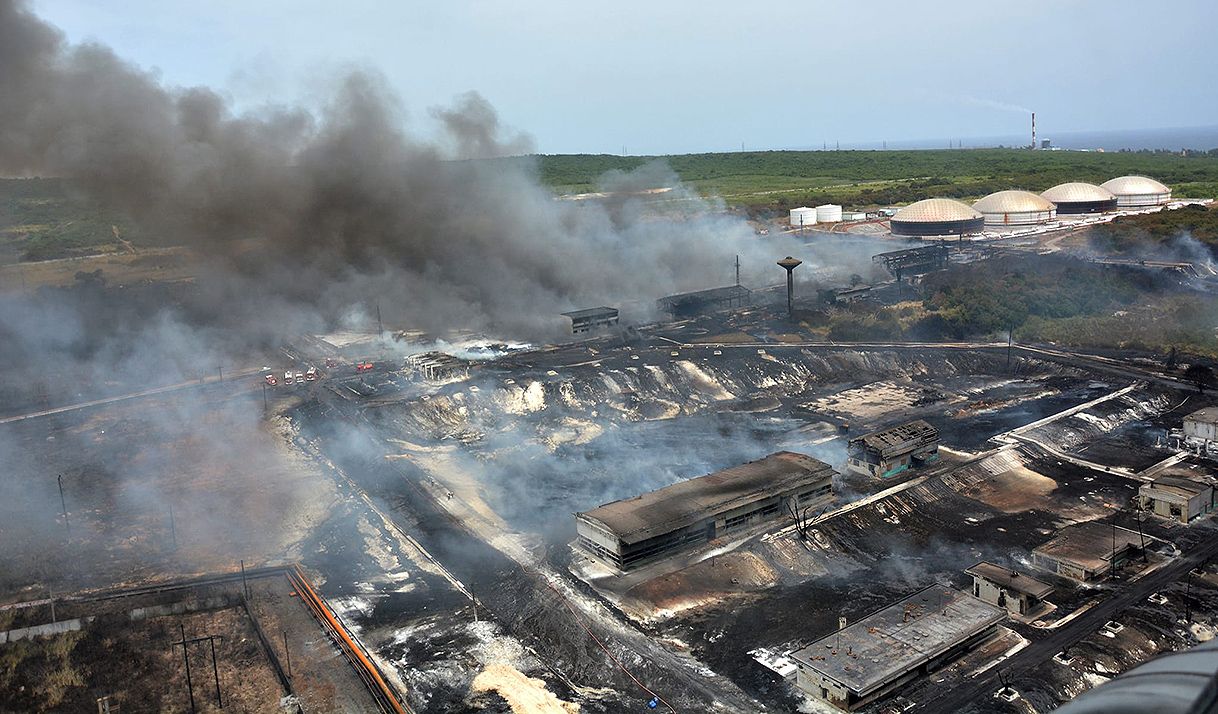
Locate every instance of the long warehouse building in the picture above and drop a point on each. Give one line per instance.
(628, 533)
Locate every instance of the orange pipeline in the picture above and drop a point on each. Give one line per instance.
(353, 650)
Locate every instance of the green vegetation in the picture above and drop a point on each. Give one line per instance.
(1136, 234)
(41, 219)
(1066, 301)
(774, 180)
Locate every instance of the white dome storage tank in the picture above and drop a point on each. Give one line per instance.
(937, 217)
(803, 216)
(1075, 198)
(1015, 208)
(1136, 191)
(829, 213)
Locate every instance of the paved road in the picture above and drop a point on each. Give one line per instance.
(1040, 650)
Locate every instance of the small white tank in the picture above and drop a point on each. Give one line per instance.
(803, 216)
(829, 213)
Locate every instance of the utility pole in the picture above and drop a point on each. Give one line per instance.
(1112, 561)
(379, 327)
(1010, 340)
(221, 368)
(245, 588)
(1188, 591)
(190, 687)
(173, 528)
(215, 671)
(264, 404)
(64, 504)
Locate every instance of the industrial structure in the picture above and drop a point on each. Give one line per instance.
(789, 264)
(1020, 594)
(1087, 552)
(592, 318)
(1137, 191)
(438, 366)
(1179, 499)
(803, 216)
(690, 304)
(937, 217)
(914, 261)
(1202, 424)
(868, 659)
(828, 213)
(1076, 197)
(889, 452)
(1015, 208)
(628, 533)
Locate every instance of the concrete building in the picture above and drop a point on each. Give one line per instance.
(1137, 191)
(1020, 594)
(591, 318)
(937, 217)
(1202, 425)
(1015, 208)
(854, 215)
(891, 451)
(438, 366)
(628, 533)
(1179, 499)
(689, 304)
(1087, 551)
(862, 662)
(1076, 197)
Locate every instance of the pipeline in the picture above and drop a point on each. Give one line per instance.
(363, 665)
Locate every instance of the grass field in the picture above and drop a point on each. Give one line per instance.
(43, 218)
(778, 179)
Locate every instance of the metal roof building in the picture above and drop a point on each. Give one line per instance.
(1087, 551)
(862, 662)
(591, 318)
(684, 304)
(1076, 197)
(937, 217)
(627, 533)
(1137, 191)
(890, 451)
(1008, 588)
(1180, 499)
(1015, 208)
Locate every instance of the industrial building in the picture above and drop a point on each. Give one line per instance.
(1020, 594)
(1087, 551)
(1202, 425)
(1179, 499)
(1076, 198)
(829, 213)
(891, 451)
(631, 532)
(592, 318)
(914, 261)
(1137, 191)
(803, 216)
(937, 217)
(864, 661)
(1015, 208)
(438, 366)
(689, 304)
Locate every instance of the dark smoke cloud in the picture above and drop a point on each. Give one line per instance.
(343, 204)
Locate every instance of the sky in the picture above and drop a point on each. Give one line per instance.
(677, 76)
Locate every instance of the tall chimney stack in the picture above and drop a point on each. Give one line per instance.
(1033, 130)
(790, 264)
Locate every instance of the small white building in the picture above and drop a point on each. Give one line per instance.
(1202, 424)
(854, 215)
(1179, 499)
(829, 213)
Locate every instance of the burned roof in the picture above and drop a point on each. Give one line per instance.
(591, 312)
(1175, 485)
(899, 439)
(1208, 415)
(687, 502)
(881, 647)
(726, 294)
(1090, 544)
(1011, 579)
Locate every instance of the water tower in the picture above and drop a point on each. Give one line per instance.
(790, 264)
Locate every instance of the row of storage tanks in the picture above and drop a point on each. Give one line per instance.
(945, 216)
(804, 216)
